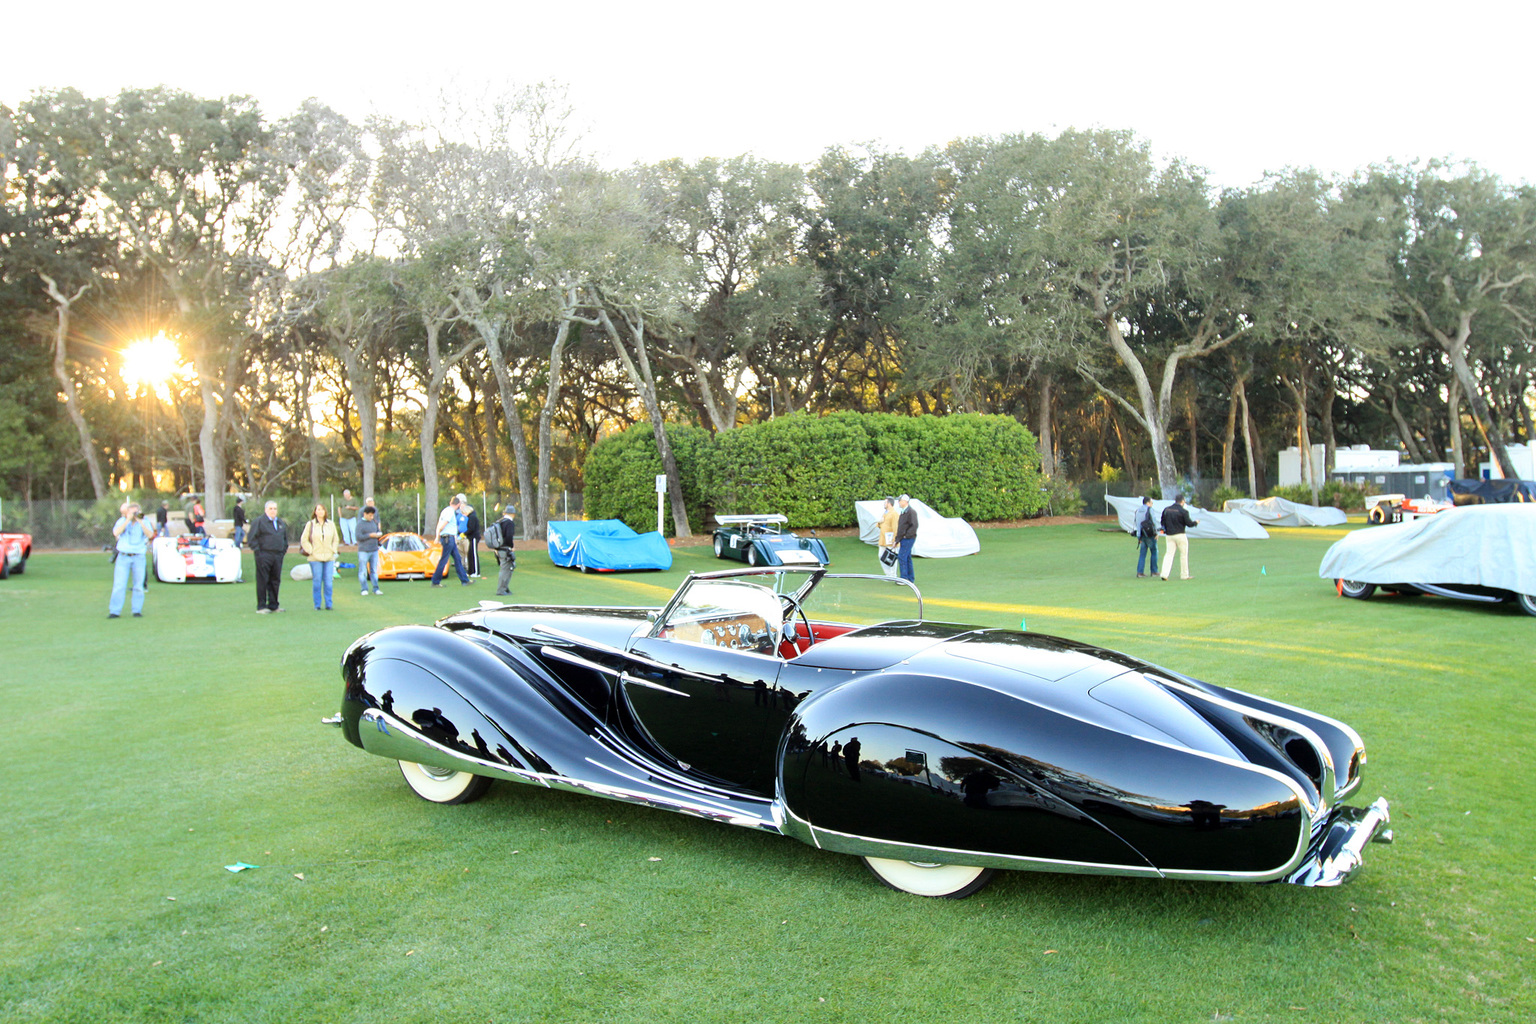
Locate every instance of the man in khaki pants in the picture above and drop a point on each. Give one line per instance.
(1176, 522)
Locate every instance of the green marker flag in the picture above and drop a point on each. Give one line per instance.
(1022, 627)
(1263, 570)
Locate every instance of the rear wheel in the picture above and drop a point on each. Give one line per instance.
(21, 566)
(947, 881)
(1358, 591)
(1527, 603)
(443, 785)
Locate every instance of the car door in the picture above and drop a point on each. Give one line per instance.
(715, 708)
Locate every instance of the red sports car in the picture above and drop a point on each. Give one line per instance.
(15, 549)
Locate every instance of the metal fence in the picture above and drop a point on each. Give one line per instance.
(87, 525)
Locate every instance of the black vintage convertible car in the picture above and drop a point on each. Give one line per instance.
(824, 707)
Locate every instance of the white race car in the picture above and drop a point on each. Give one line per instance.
(196, 559)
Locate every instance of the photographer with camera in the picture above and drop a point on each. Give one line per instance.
(133, 536)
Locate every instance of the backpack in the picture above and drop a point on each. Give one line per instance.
(493, 535)
(1146, 529)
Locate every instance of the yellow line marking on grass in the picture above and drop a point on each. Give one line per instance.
(645, 587)
(1106, 620)
(1076, 614)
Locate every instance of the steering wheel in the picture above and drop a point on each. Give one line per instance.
(791, 609)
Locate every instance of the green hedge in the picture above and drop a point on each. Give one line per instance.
(621, 470)
(813, 468)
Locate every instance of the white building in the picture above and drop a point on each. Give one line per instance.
(1524, 458)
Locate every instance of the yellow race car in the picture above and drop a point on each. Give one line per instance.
(407, 556)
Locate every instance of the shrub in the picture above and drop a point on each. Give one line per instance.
(621, 470)
(813, 468)
(1221, 495)
(1062, 497)
(1344, 495)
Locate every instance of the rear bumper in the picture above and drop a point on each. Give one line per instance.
(1339, 849)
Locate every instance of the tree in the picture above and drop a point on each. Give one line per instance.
(189, 185)
(733, 221)
(1128, 255)
(1465, 259)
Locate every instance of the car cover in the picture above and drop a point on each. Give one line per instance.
(1481, 545)
(1213, 525)
(937, 536)
(1491, 492)
(606, 545)
(1280, 512)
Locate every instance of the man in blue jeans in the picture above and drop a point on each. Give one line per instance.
(1146, 538)
(133, 536)
(448, 537)
(906, 536)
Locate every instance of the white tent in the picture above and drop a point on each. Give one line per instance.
(937, 536)
(1280, 512)
(1213, 525)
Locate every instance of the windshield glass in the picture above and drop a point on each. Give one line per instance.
(736, 613)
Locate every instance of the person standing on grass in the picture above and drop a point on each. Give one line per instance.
(320, 542)
(346, 518)
(473, 531)
(269, 542)
(448, 537)
(906, 537)
(197, 518)
(163, 521)
(886, 542)
(238, 516)
(133, 536)
(500, 536)
(368, 550)
(1176, 522)
(1146, 539)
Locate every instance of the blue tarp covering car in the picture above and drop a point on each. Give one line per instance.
(606, 545)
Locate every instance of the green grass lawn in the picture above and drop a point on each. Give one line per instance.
(141, 756)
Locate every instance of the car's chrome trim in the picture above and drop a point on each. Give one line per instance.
(1442, 590)
(1326, 869)
(397, 740)
(1327, 796)
(620, 674)
(1351, 783)
(1342, 850)
(617, 652)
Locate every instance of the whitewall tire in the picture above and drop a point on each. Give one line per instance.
(443, 785)
(947, 881)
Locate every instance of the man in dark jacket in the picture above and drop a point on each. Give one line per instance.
(906, 536)
(269, 541)
(238, 516)
(505, 527)
(1146, 538)
(473, 531)
(1175, 522)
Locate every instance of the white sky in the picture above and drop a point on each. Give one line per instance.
(1238, 88)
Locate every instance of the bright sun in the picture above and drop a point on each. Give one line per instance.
(151, 363)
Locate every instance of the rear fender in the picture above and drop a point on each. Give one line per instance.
(949, 771)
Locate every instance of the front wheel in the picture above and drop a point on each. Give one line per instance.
(443, 785)
(719, 547)
(1527, 603)
(946, 881)
(752, 558)
(1352, 588)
